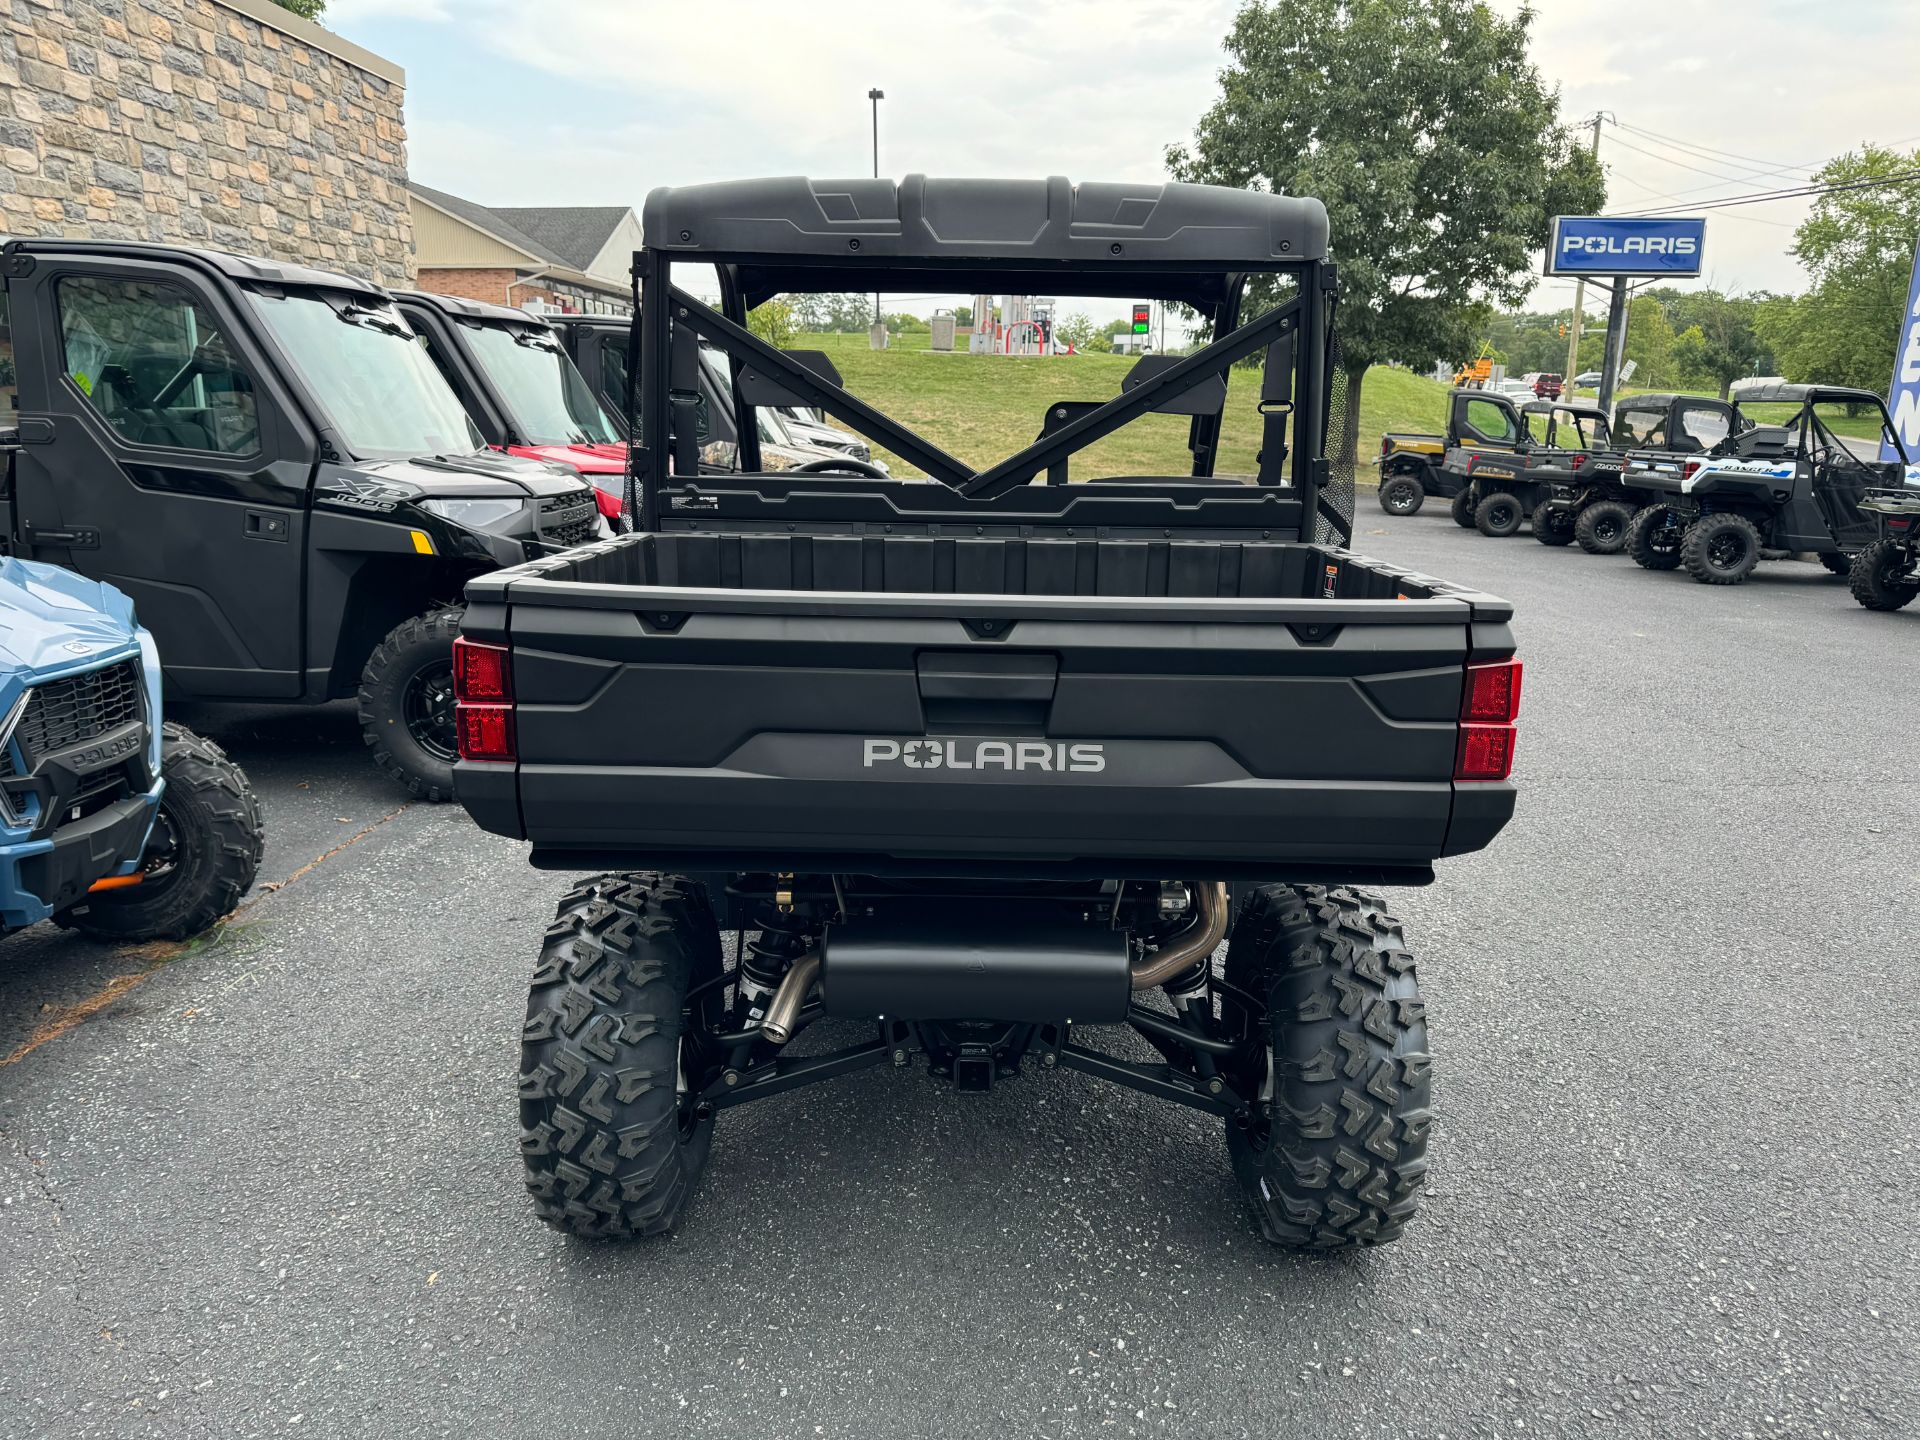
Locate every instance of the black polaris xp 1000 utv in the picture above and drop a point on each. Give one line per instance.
(988, 762)
(265, 460)
(1764, 491)
(1590, 503)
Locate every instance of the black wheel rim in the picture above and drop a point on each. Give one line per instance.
(1726, 550)
(1500, 516)
(427, 708)
(1606, 531)
(160, 861)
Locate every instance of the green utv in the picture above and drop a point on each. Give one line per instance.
(988, 764)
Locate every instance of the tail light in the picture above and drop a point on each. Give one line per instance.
(481, 672)
(483, 701)
(1578, 461)
(1690, 469)
(1489, 704)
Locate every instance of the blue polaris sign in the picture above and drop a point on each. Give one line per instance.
(1608, 245)
(1903, 398)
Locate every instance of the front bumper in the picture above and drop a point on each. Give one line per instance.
(38, 878)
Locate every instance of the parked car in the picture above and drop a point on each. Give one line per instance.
(1587, 379)
(984, 762)
(264, 459)
(111, 821)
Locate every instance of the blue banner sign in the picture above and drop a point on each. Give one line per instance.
(1903, 397)
(1611, 245)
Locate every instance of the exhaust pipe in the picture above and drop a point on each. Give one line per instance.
(792, 994)
(1194, 944)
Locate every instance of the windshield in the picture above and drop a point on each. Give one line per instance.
(546, 396)
(378, 389)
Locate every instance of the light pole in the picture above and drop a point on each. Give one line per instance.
(876, 96)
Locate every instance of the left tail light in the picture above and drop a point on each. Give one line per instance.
(483, 701)
(1489, 704)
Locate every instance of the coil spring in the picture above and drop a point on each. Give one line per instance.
(765, 958)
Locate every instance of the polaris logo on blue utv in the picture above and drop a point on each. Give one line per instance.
(1051, 756)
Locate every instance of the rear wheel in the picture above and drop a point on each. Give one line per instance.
(1883, 577)
(1602, 527)
(1461, 508)
(1336, 1152)
(1401, 495)
(614, 1055)
(1653, 538)
(1720, 549)
(406, 704)
(1499, 515)
(201, 855)
(1551, 526)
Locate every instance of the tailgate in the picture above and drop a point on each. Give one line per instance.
(1086, 734)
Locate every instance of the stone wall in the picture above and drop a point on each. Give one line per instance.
(227, 123)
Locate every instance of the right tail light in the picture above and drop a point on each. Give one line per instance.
(1489, 704)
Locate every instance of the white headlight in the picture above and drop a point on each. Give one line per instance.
(474, 514)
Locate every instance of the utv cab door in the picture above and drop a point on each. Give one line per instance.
(1840, 480)
(165, 461)
(1483, 422)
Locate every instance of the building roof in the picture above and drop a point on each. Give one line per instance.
(566, 237)
(574, 234)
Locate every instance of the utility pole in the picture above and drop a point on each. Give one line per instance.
(1580, 286)
(877, 95)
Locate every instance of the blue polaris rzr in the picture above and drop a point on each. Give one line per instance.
(111, 821)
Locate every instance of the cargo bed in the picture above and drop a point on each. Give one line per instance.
(925, 704)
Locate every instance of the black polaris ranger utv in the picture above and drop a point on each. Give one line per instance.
(1766, 490)
(987, 760)
(263, 458)
(1504, 484)
(1590, 503)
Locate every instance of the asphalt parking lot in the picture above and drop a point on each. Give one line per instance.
(270, 1185)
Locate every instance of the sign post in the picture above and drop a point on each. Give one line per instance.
(1903, 395)
(1610, 250)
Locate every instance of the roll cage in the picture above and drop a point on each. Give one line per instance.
(1197, 245)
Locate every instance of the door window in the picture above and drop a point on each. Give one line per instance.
(155, 366)
(1490, 420)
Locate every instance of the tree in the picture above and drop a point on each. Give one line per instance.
(1717, 343)
(774, 322)
(305, 9)
(1857, 247)
(1080, 331)
(817, 313)
(1431, 139)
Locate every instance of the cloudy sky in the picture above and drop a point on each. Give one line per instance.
(597, 101)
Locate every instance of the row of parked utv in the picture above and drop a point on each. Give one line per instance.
(1679, 481)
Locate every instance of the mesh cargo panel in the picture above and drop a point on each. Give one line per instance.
(1342, 424)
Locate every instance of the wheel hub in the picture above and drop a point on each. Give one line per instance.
(429, 710)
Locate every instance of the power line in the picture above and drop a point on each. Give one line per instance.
(1764, 197)
(1771, 167)
(1720, 175)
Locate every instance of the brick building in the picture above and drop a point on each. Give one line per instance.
(230, 123)
(569, 258)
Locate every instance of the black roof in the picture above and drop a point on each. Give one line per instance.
(1563, 407)
(249, 268)
(1804, 395)
(469, 309)
(1165, 240)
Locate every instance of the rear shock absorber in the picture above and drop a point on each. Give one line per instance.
(764, 960)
